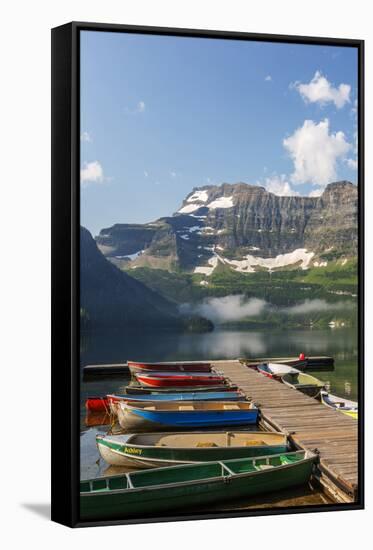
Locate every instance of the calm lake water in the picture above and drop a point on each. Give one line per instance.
(118, 346)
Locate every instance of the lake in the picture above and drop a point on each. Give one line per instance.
(118, 346)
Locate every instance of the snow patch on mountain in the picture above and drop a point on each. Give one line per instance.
(221, 202)
(200, 196)
(282, 260)
(188, 208)
(131, 256)
(213, 262)
(250, 262)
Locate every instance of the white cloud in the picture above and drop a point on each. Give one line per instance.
(352, 163)
(173, 174)
(354, 108)
(315, 152)
(316, 192)
(140, 107)
(85, 136)
(279, 186)
(268, 78)
(146, 173)
(92, 172)
(320, 90)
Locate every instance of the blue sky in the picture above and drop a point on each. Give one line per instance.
(161, 115)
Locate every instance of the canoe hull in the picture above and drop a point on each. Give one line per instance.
(140, 420)
(345, 406)
(154, 381)
(275, 370)
(140, 456)
(311, 391)
(305, 383)
(188, 495)
(169, 367)
(113, 400)
(352, 414)
(97, 404)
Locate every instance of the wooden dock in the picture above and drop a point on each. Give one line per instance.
(309, 425)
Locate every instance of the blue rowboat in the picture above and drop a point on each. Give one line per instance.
(153, 416)
(113, 400)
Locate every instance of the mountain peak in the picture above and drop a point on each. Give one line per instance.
(241, 226)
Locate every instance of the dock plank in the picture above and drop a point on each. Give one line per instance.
(309, 424)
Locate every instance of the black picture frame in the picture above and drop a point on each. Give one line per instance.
(65, 266)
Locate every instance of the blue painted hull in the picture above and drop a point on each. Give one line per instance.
(190, 396)
(145, 420)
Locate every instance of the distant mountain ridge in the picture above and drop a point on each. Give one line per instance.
(243, 226)
(109, 297)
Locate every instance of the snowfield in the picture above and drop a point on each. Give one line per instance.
(188, 208)
(221, 202)
(250, 262)
(200, 196)
(213, 262)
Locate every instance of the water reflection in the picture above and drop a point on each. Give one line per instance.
(118, 346)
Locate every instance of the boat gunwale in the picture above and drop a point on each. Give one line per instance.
(309, 456)
(178, 374)
(238, 396)
(133, 406)
(347, 408)
(297, 385)
(101, 437)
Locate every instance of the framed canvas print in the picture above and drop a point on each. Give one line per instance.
(207, 277)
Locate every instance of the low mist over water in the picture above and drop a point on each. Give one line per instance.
(237, 307)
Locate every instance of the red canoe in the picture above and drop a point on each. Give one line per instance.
(176, 379)
(188, 366)
(97, 404)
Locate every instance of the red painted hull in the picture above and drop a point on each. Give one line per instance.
(168, 367)
(156, 381)
(267, 374)
(97, 404)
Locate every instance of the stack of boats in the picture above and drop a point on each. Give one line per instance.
(180, 467)
(308, 385)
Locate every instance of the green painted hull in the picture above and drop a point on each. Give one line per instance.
(183, 488)
(305, 383)
(152, 456)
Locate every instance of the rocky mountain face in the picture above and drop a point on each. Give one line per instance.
(244, 227)
(110, 297)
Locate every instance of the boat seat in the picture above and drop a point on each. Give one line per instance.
(253, 442)
(230, 407)
(264, 467)
(206, 444)
(186, 408)
(151, 408)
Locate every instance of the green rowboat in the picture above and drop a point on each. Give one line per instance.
(167, 449)
(153, 492)
(305, 383)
